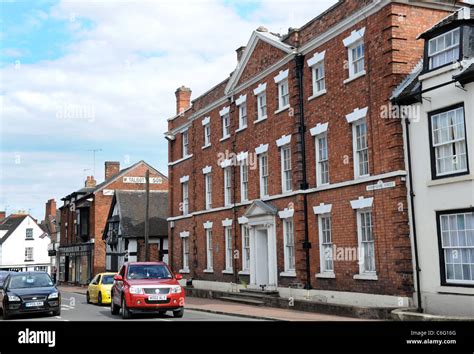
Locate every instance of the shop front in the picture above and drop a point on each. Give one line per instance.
(75, 264)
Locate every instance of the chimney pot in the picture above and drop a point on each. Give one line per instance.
(183, 99)
(90, 182)
(3, 215)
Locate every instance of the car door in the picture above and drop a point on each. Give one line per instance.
(93, 289)
(117, 288)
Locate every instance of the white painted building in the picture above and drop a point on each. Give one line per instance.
(23, 245)
(439, 138)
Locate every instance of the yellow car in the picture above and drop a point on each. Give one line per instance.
(98, 291)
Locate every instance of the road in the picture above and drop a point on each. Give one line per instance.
(75, 308)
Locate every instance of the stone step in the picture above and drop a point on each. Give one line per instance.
(242, 300)
(259, 293)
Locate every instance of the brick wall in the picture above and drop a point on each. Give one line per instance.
(391, 52)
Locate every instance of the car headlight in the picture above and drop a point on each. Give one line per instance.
(136, 290)
(176, 289)
(13, 298)
(53, 295)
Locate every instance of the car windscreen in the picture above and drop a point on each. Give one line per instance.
(155, 271)
(26, 281)
(107, 279)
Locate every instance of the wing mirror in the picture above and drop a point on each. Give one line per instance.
(118, 277)
(178, 276)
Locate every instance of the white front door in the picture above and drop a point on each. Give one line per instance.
(261, 257)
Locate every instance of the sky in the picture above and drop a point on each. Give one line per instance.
(77, 76)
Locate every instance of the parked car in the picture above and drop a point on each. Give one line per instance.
(3, 276)
(99, 288)
(147, 287)
(29, 292)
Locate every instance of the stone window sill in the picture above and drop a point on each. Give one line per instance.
(355, 77)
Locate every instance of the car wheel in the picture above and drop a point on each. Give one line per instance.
(6, 315)
(179, 313)
(57, 312)
(99, 299)
(114, 309)
(88, 298)
(125, 311)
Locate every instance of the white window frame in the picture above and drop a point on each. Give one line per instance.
(29, 233)
(317, 79)
(229, 252)
(320, 162)
(323, 246)
(185, 143)
(185, 195)
(208, 190)
(29, 254)
(264, 193)
(244, 180)
(185, 246)
(243, 120)
(245, 248)
(453, 142)
(225, 126)
(357, 153)
(286, 171)
(362, 244)
(452, 48)
(453, 252)
(289, 249)
(207, 135)
(351, 62)
(283, 95)
(262, 110)
(228, 186)
(209, 251)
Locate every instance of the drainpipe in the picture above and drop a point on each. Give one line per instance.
(412, 207)
(299, 62)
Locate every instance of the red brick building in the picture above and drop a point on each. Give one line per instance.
(286, 175)
(84, 216)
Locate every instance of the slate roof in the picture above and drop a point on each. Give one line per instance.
(10, 224)
(457, 16)
(131, 209)
(89, 190)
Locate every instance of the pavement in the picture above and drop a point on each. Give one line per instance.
(74, 308)
(248, 312)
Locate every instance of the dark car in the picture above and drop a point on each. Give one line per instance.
(3, 276)
(29, 292)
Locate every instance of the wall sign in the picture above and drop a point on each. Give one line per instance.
(153, 180)
(381, 185)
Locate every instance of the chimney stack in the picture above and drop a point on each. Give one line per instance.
(90, 182)
(112, 168)
(240, 51)
(183, 99)
(50, 209)
(3, 215)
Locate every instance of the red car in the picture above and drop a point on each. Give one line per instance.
(146, 287)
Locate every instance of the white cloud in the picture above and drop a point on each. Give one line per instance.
(118, 76)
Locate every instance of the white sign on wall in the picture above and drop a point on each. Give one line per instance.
(153, 180)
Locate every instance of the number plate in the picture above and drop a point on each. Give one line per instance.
(34, 304)
(157, 297)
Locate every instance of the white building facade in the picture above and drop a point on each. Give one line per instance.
(439, 138)
(23, 245)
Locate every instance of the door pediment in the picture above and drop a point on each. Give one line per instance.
(259, 208)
